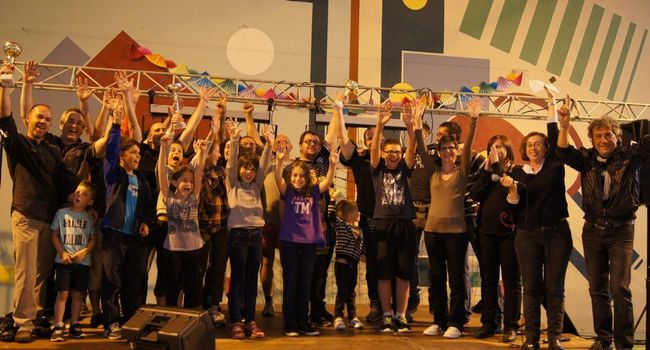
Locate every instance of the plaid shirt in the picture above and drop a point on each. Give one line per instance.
(213, 204)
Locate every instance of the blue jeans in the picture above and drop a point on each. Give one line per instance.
(543, 254)
(608, 255)
(297, 267)
(245, 253)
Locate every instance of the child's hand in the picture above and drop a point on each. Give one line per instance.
(201, 145)
(144, 230)
(66, 258)
(79, 256)
(165, 140)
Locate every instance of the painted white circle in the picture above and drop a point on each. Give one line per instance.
(250, 51)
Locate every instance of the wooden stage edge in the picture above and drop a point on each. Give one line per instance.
(363, 339)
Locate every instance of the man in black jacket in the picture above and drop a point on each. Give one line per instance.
(40, 185)
(609, 173)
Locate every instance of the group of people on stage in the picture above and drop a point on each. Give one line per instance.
(94, 214)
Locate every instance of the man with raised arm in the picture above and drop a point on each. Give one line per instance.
(609, 173)
(40, 184)
(393, 214)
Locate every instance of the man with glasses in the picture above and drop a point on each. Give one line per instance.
(316, 153)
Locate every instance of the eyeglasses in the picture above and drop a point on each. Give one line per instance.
(311, 142)
(393, 152)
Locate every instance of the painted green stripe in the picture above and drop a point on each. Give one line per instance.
(506, 29)
(537, 31)
(475, 17)
(605, 53)
(564, 36)
(636, 64)
(587, 44)
(621, 61)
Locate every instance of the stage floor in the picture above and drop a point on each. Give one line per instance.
(367, 338)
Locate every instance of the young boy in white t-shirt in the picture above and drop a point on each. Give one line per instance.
(73, 237)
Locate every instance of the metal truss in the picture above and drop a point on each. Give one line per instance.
(319, 97)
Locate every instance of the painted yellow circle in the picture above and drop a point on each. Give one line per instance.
(415, 4)
(399, 96)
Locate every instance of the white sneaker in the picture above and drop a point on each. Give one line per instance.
(433, 329)
(356, 323)
(339, 324)
(452, 333)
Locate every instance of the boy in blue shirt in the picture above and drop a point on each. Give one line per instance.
(73, 237)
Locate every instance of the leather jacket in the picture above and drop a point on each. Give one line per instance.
(623, 166)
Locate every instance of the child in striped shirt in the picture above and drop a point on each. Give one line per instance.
(349, 251)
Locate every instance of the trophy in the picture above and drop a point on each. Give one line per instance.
(351, 87)
(11, 50)
(174, 89)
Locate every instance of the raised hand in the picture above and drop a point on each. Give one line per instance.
(564, 113)
(474, 108)
(165, 140)
(268, 134)
(383, 116)
(417, 109)
(233, 128)
(31, 71)
(201, 145)
(215, 124)
(6, 68)
(83, 92)
(177, 118)
(206, 94)
(248, 108)
(334, 158)
(407, 115)
(123, 82)
(492, 158)
(282, 152)
(108, 96)
(337, 105)
(221, 106)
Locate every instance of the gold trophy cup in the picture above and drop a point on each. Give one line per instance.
(11, 50)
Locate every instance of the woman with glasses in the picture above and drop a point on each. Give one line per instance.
(444, 230)
(543, 241)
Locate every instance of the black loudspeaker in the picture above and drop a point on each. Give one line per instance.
(635, 131)
(169, 328)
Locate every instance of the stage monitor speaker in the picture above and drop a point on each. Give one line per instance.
(170, 328)
(635, 131)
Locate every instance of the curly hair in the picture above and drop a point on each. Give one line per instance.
(522, 147)
(605, 122)
(309, 180)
